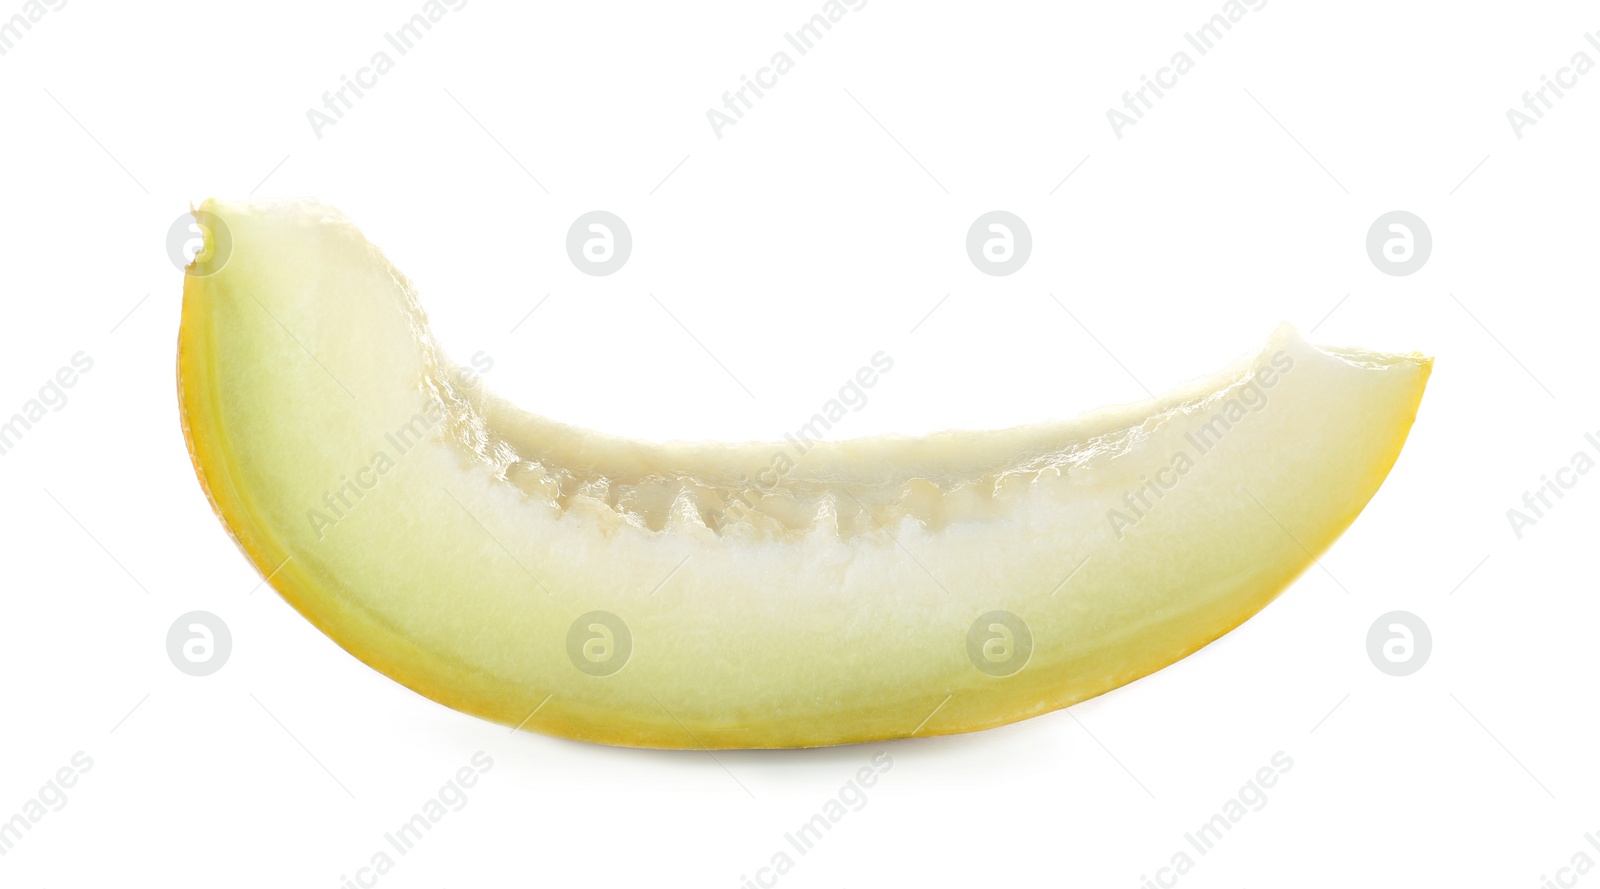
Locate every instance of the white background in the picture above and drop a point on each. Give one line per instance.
(823, 227)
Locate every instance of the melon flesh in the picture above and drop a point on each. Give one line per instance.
(452, 540)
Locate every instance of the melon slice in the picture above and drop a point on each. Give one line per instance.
(583, 585)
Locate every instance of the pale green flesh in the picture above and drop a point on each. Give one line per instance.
(304, 353)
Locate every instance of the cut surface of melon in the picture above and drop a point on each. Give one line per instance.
(690, 595)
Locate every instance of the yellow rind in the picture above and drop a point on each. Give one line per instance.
(455, 684)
